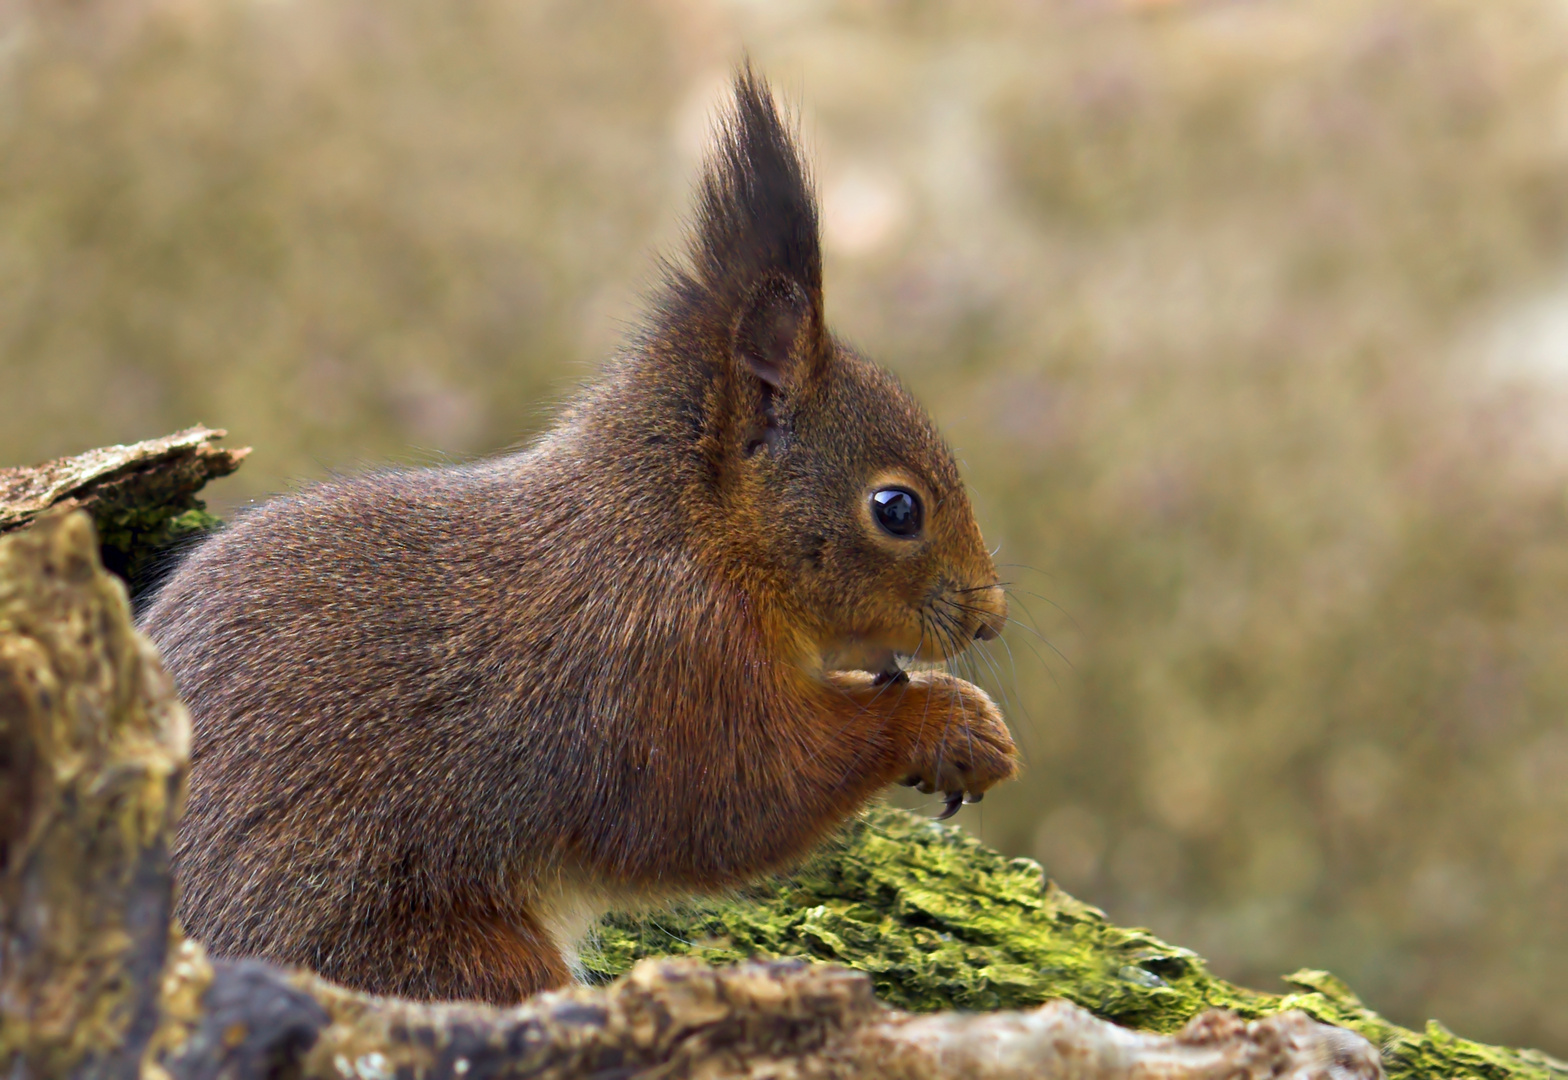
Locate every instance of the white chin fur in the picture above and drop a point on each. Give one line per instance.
(877, 661)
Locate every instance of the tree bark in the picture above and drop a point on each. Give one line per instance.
(92, 756)
(142, 497)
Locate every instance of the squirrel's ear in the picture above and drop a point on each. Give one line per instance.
(754, 277)
(776, 334)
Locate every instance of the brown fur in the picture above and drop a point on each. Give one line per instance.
(445, 717)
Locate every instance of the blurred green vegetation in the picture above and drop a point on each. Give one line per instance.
(1249, 320)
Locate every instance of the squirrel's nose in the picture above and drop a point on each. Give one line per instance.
(993, 613)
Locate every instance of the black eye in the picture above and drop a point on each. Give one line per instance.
(897, 511)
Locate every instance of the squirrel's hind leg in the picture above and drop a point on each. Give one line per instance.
(466, 955)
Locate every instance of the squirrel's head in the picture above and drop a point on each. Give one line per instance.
(824, 482)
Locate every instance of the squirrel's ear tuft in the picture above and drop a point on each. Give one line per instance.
(756, 213)
(755, 263)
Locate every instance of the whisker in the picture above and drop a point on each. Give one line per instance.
(1014, 593)
(1022, 626)
(983, 588)
(1019, 704)
(955, 633)
(925, 713)
(1013, 703)
(1025, 566)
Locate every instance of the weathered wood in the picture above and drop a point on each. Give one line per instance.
(142, 497)
(93, 746)
(93, 755)
(778, 1019)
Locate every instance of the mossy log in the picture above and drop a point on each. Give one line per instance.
(940, 921)
(912, 915)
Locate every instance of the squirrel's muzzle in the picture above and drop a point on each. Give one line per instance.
(990, 608)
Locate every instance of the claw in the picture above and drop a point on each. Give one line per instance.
(910, 781)
(976, 797)
(955, 799)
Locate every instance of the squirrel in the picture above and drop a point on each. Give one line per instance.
(446, 718)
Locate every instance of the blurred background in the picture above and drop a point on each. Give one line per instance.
(1248, 319)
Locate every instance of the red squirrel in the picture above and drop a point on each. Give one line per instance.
(445, 718)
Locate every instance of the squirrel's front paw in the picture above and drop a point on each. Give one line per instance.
(962, 748)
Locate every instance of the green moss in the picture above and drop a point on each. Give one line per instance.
(133, 538)
(940, 921)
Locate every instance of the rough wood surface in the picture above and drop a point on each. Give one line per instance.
(680, 1018)
(182, 461)
(93, 746)
(95, 980)
(142, 497)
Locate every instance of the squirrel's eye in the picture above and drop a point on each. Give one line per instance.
(897, 511)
